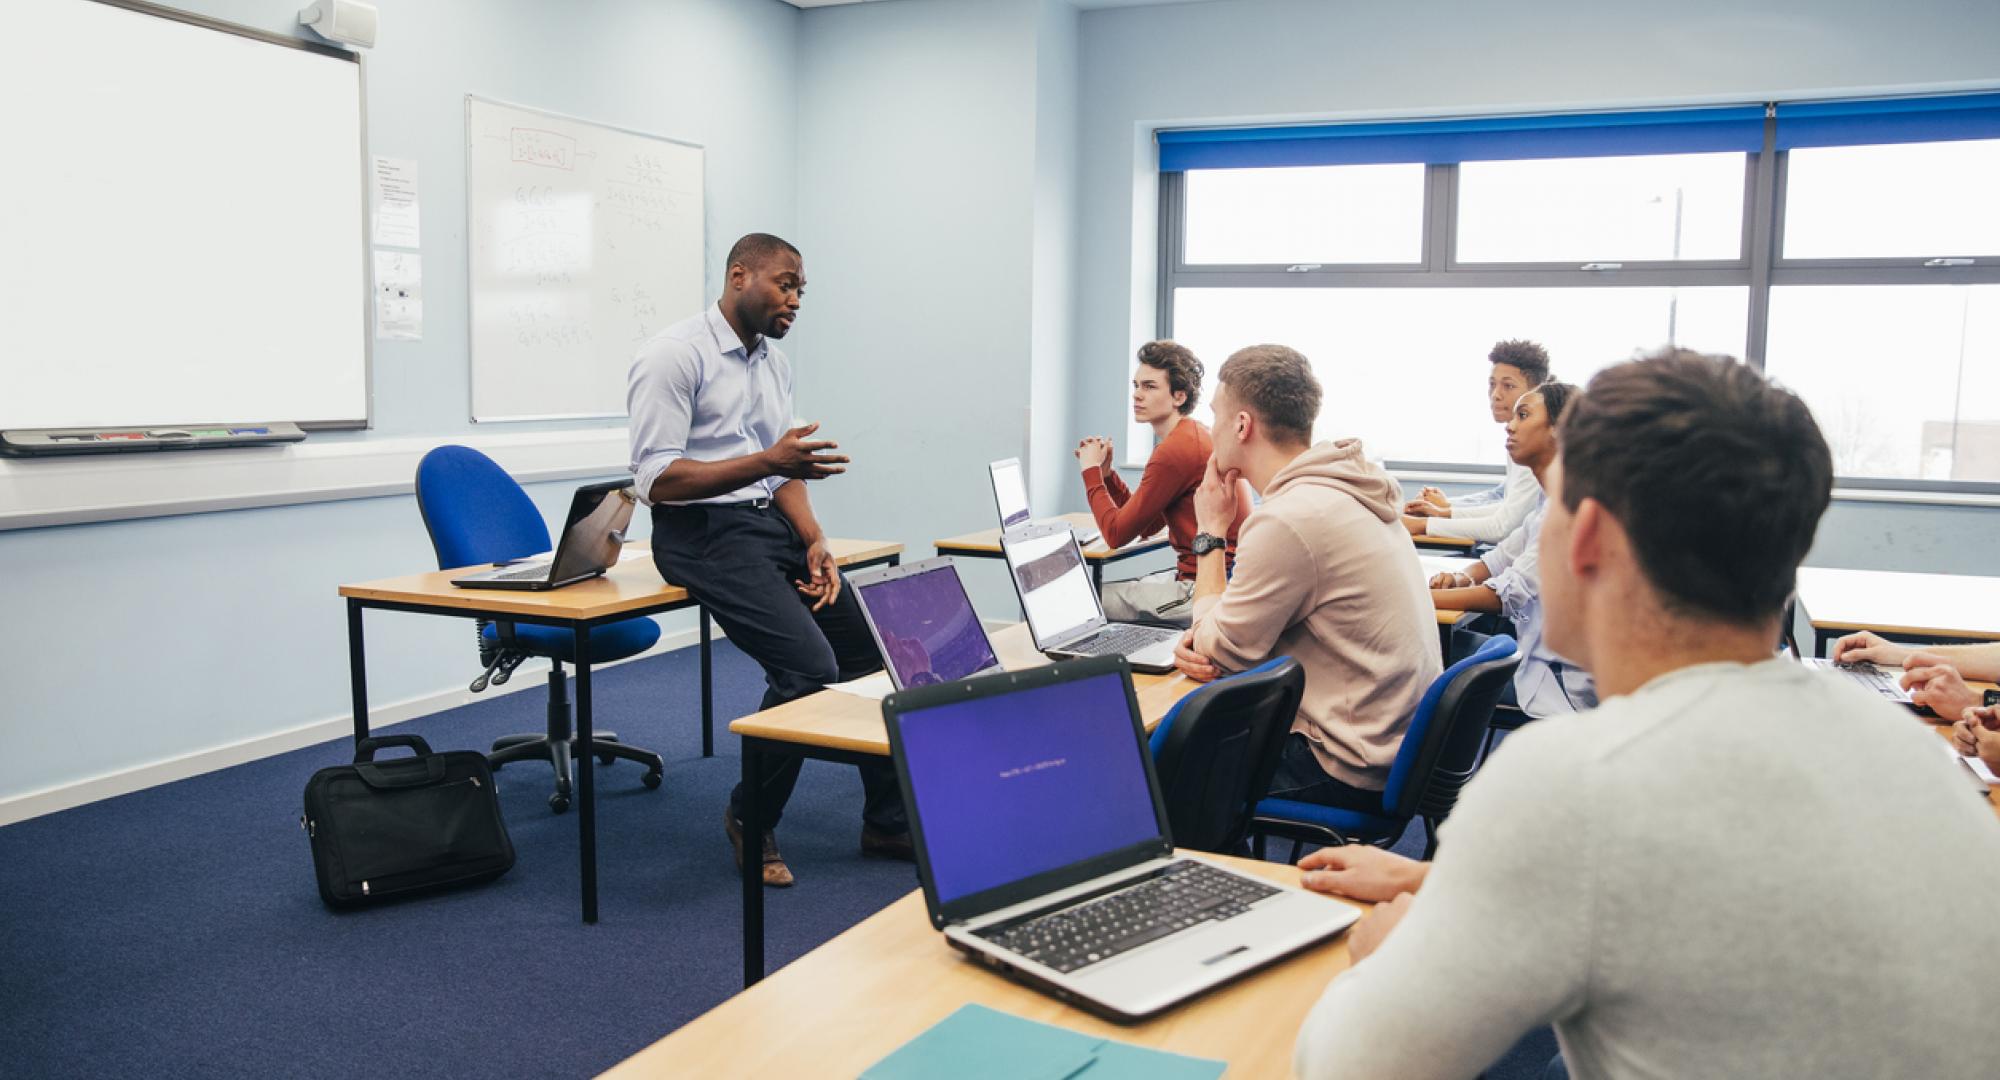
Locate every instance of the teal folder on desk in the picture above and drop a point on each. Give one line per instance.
(978, 1043)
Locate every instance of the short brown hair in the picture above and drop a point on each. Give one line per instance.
(1183, 370)
(1277, 384)
(1529, 356)
(1718, 476)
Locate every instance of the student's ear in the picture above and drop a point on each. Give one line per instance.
(1590, 528)
(1180, 399)
(1246, 425)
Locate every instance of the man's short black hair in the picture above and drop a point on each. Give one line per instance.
(1528, 356)
(1717, 475)
(756, 249)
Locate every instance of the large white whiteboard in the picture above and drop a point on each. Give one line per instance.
(181, 224)
(583, 241)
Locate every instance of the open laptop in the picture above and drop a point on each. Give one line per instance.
(923, 623)
(1010, 497)
(592, 537)
(1063, 611)
(1043, 848)
(1885, 684)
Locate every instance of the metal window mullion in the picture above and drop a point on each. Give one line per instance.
(1440, 217)
(1278, 278)
(1763, 226)
(1173, 234)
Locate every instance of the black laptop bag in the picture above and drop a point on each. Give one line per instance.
(387, 829)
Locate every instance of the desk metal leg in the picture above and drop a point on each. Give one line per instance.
(586, 793)
(357, 671)
(707, 691)
(1097, 577)
(1821, 639)
(753, 861)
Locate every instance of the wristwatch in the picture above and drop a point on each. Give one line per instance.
(1992, 697)
(1207, 542)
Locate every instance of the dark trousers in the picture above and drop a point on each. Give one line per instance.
(740, 562)
(1300, 777)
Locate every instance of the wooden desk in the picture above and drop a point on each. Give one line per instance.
(985, 544)
(1442, 543)
(1918, 609)
(848, 1003)
(629, 589)
(833, 726)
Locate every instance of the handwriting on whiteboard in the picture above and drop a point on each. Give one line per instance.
(549, 149)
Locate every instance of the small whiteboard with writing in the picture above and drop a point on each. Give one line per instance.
(583, 241)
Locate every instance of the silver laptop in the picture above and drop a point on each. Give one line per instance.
(924, 624)
(1063, 611)
(1010, 497)
(1885, 684)
(593, 535)
(1043, 848)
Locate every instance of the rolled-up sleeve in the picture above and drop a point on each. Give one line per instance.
(659, 397)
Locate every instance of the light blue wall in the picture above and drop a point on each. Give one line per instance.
(1256, 60)
(131, 643)
(920, 223)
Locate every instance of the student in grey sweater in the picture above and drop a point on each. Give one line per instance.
(1734, 867)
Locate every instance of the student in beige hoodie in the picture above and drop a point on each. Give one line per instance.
(1325, 573)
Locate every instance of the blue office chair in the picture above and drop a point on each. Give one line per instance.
(1440, 752)
(1216, 749)
(476, 513)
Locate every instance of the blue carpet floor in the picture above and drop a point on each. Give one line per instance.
(178, 932)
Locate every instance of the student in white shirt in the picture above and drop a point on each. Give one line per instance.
(1734, 867)
(1507, 580)
(1488, 516)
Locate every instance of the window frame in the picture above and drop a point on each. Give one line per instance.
(1758, 267)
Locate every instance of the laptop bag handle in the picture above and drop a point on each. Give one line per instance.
(365, 749)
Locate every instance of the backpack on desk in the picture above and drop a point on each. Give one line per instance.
(381, 830)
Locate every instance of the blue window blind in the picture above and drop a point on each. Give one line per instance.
(1438, 142)
(1891, 120)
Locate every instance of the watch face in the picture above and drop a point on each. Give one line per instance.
(1993, 697)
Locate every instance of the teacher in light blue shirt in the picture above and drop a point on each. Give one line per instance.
(715, 456)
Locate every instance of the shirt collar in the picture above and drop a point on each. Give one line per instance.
(727, 342)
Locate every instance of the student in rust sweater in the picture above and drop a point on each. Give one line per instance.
(1324, 574)
(1165, 387)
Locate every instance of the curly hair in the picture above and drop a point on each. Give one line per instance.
(1183, 370)
(1529, 356)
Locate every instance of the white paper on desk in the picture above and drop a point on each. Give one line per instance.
(635, 553)
(873, 687)
(1977, 766)
(395, 183)
(399, 296)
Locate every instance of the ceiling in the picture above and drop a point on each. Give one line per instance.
(1084, 4)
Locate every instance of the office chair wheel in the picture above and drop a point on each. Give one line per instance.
(559, 802)
(605, 759)
(652, 779)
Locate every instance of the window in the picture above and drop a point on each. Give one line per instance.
(1903, 379)
(1332, 214)
(1668, 207)
(1852, 250)
(1369, 346)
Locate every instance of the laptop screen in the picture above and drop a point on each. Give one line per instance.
(595, 532)
(1016, 784)
(1010, 492)
(927, 628)
(1054, 585)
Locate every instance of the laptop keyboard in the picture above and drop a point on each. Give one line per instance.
(529, 572)
(1182, 895)
(1875, 679)
(1119, 639)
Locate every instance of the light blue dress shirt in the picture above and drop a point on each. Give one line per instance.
(695, 392)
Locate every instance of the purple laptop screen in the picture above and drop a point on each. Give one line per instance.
(928, 629)
(1013, 785)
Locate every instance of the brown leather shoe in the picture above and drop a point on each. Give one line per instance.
(776, 874)
(883, 845)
